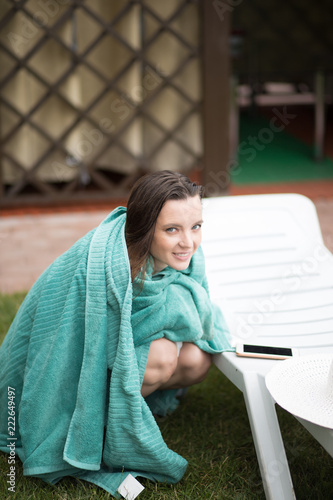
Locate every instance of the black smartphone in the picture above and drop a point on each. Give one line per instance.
(263, 351)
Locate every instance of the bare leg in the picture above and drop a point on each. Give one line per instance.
(192, 367)
(165, 370)
(161, 364)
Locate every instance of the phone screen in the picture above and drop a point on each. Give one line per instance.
(258, 349)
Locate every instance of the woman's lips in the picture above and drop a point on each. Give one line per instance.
(182, 255)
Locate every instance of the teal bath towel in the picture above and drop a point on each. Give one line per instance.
(76, 353)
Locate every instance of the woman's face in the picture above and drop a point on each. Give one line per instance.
(177, 233)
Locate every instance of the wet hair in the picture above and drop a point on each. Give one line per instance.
(146, 200)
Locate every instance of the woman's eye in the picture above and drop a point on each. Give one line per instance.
(196, 227)
(171, 230)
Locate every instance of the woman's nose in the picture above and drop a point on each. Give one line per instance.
(185, 240)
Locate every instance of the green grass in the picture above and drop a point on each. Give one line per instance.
(9, 305)
(211, 430)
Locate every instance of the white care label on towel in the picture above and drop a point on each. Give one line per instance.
(130, 488)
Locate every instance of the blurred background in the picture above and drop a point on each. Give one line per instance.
(234, 93)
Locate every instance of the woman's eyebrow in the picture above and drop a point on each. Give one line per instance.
(180, 225)
(171, 225)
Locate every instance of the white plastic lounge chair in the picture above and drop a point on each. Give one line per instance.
(272, 276)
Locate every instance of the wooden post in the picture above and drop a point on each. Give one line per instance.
(216, 95)
(319, 115)
(1, 164)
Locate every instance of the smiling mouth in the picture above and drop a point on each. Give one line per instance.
(182, 255)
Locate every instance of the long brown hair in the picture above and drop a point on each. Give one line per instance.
(145, 202)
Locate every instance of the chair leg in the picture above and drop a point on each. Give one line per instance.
(267, 438)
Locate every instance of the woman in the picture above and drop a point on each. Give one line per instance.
(105, 338)
(170, 220)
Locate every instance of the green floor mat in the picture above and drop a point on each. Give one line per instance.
(266, 155)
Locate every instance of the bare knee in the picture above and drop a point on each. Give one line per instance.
(166, 358)
(194, 363)
(161, 364)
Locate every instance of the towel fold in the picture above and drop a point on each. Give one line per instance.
(76, 354)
